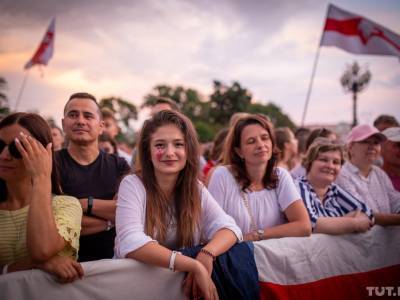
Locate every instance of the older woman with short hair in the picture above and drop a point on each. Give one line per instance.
(364, 180)
(331, 209)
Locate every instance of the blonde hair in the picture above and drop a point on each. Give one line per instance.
(321, 145)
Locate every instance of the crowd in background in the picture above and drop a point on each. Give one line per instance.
(76, 194)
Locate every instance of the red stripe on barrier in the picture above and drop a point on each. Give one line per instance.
(352, 286)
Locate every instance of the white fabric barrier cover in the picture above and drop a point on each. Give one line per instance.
(104, 279)
(282, 261)
(290, 261)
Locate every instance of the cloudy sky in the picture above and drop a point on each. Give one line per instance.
(125, 48)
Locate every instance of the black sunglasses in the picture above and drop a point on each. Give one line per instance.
(12, 148)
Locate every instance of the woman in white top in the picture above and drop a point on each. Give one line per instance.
(261, 197)
(165, 207)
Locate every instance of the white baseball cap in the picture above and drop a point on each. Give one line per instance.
(392, 134)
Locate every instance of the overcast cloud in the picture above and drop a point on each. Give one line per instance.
(124, 48)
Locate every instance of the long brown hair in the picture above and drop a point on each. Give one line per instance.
(237, 164)
(41, 131)
(187, 202)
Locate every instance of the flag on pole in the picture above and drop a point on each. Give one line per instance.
(356, 34)
(45, 49)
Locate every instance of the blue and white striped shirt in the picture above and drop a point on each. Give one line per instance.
(337, 202)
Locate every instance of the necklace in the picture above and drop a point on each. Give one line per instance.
(253, 225)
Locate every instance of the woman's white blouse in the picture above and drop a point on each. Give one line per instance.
(131, 214)
(267, 206)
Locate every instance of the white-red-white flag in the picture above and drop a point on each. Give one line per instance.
(356, 34)
(45, 49)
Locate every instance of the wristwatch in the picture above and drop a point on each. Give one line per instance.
(260, 233)
(109, 225)
(89, 205)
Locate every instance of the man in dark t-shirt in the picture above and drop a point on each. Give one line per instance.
(90, 175)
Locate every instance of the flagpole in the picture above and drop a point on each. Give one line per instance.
(21, 90)
(303, 118)
(310, 84)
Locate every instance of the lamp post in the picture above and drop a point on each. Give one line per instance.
(355, 80)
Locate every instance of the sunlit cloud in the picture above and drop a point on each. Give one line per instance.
(127, 48)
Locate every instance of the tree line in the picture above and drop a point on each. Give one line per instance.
(209, 113)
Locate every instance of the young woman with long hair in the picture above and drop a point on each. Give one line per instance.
(163, 206)
(260, 196)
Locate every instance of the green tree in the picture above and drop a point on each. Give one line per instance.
(4, 105)
(274, 112)
(205, 131)
(187, 99)
(165, 91)
(124, 112)
(227, 100)
(210, 116)
(189, 103)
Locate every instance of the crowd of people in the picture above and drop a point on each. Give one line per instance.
(74, 195)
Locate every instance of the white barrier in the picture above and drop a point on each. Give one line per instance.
(281, 261)
(302, 260)
(104, 279)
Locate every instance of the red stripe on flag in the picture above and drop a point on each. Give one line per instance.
(352, 286)
(348, 27)
(37, 57)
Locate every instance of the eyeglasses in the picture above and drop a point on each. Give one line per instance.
(12, 148)
(370, 142)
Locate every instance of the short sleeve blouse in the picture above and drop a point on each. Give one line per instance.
(68, 215)
(267, 206)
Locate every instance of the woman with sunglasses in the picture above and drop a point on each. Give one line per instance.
(331, 209)
(364, 180)
(39, 228)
